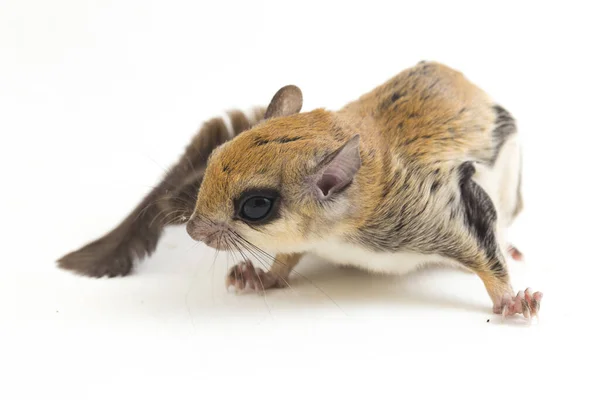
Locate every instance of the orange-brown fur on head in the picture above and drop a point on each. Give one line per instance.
(423, 169)
(279, 154)
(415, 131)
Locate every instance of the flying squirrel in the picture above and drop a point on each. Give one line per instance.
(424, 169)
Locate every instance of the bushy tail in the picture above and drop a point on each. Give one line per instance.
(171, 202)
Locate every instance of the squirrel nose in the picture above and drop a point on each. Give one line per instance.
(204, 231)
(194, 228)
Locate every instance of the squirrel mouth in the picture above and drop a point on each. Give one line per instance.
(218, 243)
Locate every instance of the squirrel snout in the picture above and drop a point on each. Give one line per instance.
(208, 232)
(193, 229)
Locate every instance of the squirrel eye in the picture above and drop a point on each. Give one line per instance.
(256, 208)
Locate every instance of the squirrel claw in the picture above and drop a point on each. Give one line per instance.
(525, 302)
(244, 277)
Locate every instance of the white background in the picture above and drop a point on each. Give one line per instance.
(98, 97)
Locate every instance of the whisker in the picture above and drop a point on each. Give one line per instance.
(227, 254)
(193, 245)
(187, 295)
(233, 242)
(167, 216)
(152, 203)
(235, 270)
(269, 268)
(165, 197)
(158, 214)
(264, 253)
(197, 243)
(264, 264)
(173, 221)
(212, 268)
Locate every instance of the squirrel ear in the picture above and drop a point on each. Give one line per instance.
(287, 101)
(338, 169)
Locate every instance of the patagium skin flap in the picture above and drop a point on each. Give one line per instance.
(424, 169)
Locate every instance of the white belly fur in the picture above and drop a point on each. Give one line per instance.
(388, 263)
(499, 182)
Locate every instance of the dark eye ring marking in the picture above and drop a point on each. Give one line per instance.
(257, 206)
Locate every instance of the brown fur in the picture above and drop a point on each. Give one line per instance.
(171, 202)
(419, 132)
